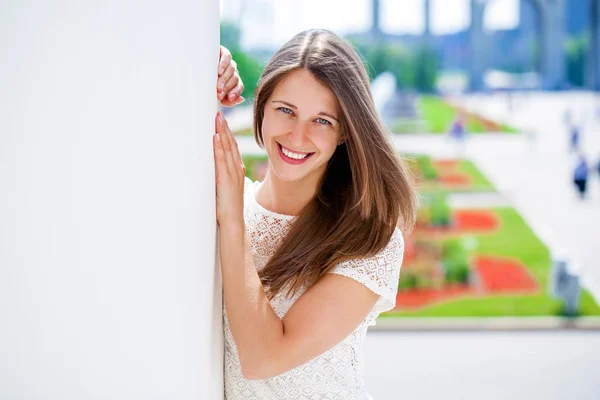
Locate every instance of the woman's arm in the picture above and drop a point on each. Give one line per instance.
(321, 318)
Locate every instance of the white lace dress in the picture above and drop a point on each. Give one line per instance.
(337, 373)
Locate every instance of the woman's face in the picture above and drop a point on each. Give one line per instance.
(301, 128)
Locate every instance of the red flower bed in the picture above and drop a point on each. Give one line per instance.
(497, 276)
(445, 164)
(481, 221)
(417, 298)
(476, 220)
(455, 179)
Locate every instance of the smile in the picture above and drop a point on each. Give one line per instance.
(292, 157)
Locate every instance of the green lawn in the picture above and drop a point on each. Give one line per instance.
(252, 162)
(479, 183)
(516, 240)
(439, 116)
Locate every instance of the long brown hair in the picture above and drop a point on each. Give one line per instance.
(367, 190)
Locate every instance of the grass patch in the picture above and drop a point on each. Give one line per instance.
(479, 181)
(438, 116)
(254, 165)
(514, 239)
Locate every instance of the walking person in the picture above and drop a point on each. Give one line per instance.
(311, 255)
(580, 176)
(458, 133)
(574, 137)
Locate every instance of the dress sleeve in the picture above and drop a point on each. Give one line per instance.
(379, 273)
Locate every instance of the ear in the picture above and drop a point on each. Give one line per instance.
(341, 141)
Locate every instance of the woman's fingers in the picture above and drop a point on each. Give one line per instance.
(229, 84)
(226, 103)
(228, 142)
(232, 78)
(226, 76)
(224, 60)
(219, 156)
(235, 88)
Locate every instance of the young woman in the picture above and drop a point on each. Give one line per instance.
(311, 255)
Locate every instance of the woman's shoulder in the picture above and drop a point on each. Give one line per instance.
(391, 254)
(396, 242)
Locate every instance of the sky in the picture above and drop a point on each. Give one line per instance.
(273, 22)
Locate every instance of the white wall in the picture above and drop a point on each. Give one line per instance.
(108, 285)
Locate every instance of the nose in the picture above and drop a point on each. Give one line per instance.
(299, 133)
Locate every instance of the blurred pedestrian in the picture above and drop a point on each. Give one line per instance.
(458, 133)
(575, 137)
(580, 176)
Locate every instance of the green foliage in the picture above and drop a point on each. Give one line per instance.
(408, 281)
(426, 168)
(576, 48)
(254, 164)
(249, 67)
(440, 211)
(230, 35)
(414, 69)
(455, 257)
(426, 69)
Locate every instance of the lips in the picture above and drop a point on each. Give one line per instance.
(290, 156)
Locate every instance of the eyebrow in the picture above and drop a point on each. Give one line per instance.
(295, 108)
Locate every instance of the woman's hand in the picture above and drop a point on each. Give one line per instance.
(230, 172)
(229, 84)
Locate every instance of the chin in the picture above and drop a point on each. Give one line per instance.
(289, 176)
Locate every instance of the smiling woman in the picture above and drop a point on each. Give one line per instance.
(311, 255)
(299, 128)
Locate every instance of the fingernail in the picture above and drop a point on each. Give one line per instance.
(220, 116)
(221, 85)
(220, 69)
(218, 138)
(232, 96)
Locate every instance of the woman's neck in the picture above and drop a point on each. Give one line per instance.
(287, 198)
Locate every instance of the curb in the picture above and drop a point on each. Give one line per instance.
(486, 324)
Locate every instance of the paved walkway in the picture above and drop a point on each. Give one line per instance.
(545, 365)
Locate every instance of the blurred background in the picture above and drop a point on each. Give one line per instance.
(495, 105)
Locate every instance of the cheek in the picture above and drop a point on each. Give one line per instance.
(327, 143)
(275, 125)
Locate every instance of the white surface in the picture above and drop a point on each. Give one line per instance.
(483, 365)
(107, 223)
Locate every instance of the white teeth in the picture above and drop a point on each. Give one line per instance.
(296, 156)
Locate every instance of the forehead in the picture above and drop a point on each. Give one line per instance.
(303, 90)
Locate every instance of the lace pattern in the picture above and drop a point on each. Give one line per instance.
(337, 373)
